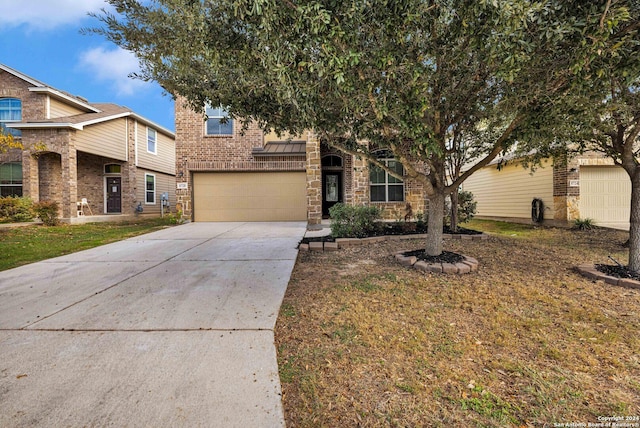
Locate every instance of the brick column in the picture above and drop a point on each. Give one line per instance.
(30, 182)
(69, 160)
(566, 198)
(314, 180)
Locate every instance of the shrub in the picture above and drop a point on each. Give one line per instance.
(467, 207)
(584, 224)
(15, 209)
(354, 222)
(47, 211)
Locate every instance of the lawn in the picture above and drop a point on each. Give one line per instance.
(523, 342)
(28, 244)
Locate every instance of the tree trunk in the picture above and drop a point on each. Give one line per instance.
(436, 220)
(454, 211)
(634, 224)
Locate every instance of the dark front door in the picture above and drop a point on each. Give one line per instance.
(331, 190)
(114, 194)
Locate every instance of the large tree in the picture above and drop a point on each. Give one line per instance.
(378, 74)
(602, 112)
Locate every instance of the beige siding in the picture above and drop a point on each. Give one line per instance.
(249, 196)
(605, 196)
(164, 160)
(508, 193)
(107, 139)
(164, 183)
(60, 109)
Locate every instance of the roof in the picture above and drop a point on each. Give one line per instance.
(282, 148)
(95, 112)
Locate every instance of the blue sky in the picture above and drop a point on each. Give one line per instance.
(41, 38)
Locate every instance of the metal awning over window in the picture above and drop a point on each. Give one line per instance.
(292, 148)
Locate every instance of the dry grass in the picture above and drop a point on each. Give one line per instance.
(525, 341)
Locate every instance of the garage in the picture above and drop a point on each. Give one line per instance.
(249, 196)
(605, 196)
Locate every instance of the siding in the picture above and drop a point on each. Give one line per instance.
(164, 183)
(165, 158)
(508, 193)
(107, 139)
(59, 109)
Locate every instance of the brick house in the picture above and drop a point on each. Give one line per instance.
(226, 175)
(114, 159)
(588, 186)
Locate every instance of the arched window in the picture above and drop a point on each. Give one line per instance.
(10, 111)
(383, 186)
(333, 161)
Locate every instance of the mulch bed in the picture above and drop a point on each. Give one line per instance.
(445, 257)
(618, 271)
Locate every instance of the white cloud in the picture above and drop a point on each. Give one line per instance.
(114, 67)
(47, 14)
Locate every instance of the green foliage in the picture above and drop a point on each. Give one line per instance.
(467, 207)
(583, 224)
(15, 209)
(175, 218)
(349, 221)
(47, 211)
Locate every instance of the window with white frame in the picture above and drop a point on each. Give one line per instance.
(11, 179)
(384, 187)
(218, 121)
(151, 140)
(150, 189)
(10, 111)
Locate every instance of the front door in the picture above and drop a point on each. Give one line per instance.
(114, 194)
(331, 190)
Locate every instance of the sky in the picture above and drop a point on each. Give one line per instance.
(41, 38)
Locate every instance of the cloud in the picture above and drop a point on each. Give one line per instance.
(47, 14)
(114, 67)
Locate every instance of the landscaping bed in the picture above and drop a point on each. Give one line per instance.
(524, 341)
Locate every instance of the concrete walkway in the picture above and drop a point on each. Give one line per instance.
(173, 328)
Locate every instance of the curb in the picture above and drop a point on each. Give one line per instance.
(354, 242)
(590, 271)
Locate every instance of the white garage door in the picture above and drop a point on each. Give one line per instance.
(249, 196)
(605, 196)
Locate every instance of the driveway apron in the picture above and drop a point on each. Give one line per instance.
(172, 328)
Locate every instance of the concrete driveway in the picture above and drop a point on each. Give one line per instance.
(172, 328)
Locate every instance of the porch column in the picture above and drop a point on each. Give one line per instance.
(314, 180)
(30, 173)
(69, 160)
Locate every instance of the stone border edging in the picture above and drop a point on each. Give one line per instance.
(354, 242)
(590, 271)
(469, 264)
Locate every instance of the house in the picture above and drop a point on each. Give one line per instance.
(115, 161)
(224, 174)
(588, 186)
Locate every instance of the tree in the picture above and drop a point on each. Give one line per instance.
(7, 142)
(603, 109)
(368, 75)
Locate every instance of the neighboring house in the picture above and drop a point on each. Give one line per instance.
(224, 174)
(589, 186)
(114, 159)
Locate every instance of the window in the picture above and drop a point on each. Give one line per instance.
(112, 168)
(10, 111)
(385, 187)
(11, 179)
(150, 189)
(218, 122)
(151, 140)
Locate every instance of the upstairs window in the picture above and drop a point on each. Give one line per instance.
(151, 140)
(385, 187)
(218, 122)
(10, 111)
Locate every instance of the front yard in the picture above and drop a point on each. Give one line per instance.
(525, 341)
